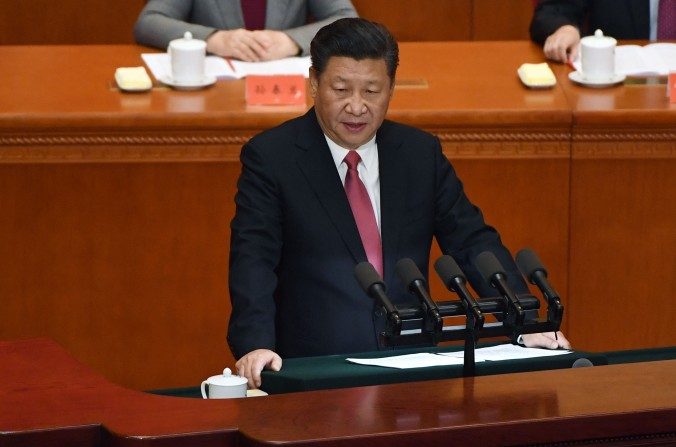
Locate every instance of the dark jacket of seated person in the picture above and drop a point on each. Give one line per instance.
(621, 19)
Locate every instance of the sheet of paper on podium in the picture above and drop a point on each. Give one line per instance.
(506, 351)
(408, 361)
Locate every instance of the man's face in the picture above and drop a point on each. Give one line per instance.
(351, 99)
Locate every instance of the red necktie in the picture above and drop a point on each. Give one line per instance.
(363, 212)
(254, 14)
(666, 20)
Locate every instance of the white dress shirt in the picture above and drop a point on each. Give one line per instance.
(654, 5)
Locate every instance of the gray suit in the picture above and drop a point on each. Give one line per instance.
(164, 20)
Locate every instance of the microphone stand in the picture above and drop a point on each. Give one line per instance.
(410, 325)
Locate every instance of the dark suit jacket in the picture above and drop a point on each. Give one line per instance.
(295, 243)
(621, 19)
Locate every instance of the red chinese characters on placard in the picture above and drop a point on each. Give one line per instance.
(275, 90)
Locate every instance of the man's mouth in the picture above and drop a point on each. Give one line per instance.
(354, 127)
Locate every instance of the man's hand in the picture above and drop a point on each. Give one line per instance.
(252, 46)
(563, 45)
(251, 365)
(277, 44)
(546, 340)
(239, 44)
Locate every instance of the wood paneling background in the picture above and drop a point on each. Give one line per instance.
(67, 21)
(103, 22)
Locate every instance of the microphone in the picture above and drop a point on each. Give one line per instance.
(413, 279)
(582, 363)
(493, 272)
(532, 268)
(371, 282)
(455, 280)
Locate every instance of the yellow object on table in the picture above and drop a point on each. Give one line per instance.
(537, 75)
(133, 79)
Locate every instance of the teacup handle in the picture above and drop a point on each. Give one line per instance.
(203, 389)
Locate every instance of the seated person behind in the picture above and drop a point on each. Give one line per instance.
(558, 24)
(295, 239)
(249, 30)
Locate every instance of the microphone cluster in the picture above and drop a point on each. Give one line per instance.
(424, 324)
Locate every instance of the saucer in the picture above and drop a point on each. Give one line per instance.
(615, 79)
(206, 81)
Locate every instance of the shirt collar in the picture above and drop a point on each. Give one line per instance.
(368, 152)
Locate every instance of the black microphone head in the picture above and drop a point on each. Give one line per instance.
(488, 265)
(529, 263)
(408, 271)
(367, 276)
(448, 269)
(581, 363)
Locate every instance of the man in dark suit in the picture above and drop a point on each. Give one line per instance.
(297, 234)
(558, 24)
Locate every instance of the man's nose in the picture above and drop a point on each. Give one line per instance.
(356, 104)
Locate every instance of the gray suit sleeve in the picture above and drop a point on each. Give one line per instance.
(324, 12)
(161, 21)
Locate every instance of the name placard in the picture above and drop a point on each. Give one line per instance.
(275, 90)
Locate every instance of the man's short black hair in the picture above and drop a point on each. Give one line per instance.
(357, 39)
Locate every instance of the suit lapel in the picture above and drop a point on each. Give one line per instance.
(392, 193)
(316, 164)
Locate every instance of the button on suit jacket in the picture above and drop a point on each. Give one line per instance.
(295, 244)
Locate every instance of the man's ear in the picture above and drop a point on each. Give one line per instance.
(314, 82)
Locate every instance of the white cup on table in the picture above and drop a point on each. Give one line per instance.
(597, 57)
(224, 386)
(188, 58)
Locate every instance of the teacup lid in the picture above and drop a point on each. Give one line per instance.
(226, 379)
(188, 43)
(598, 40)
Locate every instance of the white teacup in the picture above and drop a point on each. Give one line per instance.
(597, 55)
(187, 57)
(224, 386)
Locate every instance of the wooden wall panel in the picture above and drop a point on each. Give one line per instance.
(501, 19)
(623, 240)
(125, 264)
(67, 21)
(420, 20)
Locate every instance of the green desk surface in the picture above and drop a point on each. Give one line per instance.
(641, 355)
(316, 373)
